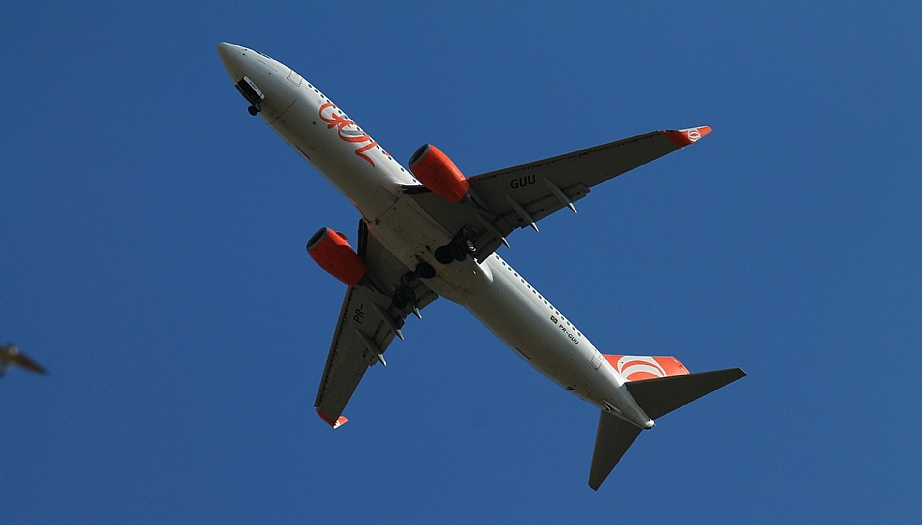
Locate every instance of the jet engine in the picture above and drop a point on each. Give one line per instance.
(438, 173)
(331, 251)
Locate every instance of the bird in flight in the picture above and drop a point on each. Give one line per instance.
(10, 355)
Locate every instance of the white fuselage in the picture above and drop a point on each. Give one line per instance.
(372, 180)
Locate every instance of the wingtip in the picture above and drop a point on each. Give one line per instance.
(340, 421)
(687, 137)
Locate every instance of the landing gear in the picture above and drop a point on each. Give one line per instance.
(443, 254)
(458, 249)
(425, 270)
(254, 96)
(405, 295)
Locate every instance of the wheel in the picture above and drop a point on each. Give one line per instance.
(469, 246)
(403, 296)
(458, 252)
(252, 110)
(444, 255)
(425, 270)
(398, 303)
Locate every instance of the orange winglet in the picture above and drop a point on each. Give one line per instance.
(687, 137)
(335, 424)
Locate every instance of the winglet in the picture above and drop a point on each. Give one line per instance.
(340, 421)
(687, 137)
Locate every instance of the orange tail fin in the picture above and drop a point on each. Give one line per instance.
(640, 367)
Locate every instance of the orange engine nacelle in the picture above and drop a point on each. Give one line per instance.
(438, 173)
(331, 251)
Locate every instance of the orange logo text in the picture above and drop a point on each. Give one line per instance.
(347, 130)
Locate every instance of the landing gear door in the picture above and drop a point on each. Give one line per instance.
(251, 93)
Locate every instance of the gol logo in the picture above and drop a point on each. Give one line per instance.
(347, 130)
(635, 368)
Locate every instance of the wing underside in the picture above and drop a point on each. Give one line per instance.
(518, 197)
(368, 322)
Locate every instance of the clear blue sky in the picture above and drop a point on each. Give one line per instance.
(152, 257)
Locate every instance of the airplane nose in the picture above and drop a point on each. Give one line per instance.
(230, 55)
(260, 79)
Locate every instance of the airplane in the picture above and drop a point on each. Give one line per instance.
(10, 355)
(428, 231)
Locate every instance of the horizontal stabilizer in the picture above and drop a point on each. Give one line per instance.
(660, 396)
(340, 421)
(687, 137)
(614, 437)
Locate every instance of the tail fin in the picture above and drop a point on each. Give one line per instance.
(657, 397)
(640, 367)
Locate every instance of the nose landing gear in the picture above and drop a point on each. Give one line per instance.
(252, 94)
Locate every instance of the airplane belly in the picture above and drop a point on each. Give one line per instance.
(412, 236)
(514, 313)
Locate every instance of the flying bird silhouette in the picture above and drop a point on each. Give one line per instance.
(10, 355)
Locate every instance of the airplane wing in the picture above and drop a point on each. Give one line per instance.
(367, 324)
(519, 196)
